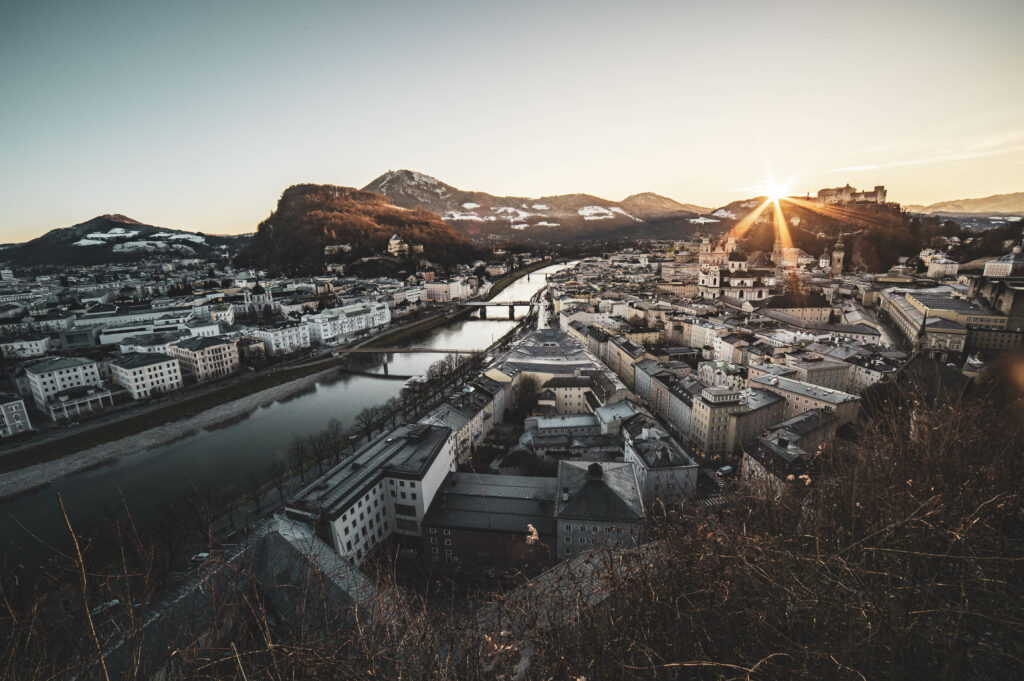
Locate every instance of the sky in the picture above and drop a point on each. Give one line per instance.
(198, 114)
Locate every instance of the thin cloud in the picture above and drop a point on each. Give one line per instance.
(945, 158)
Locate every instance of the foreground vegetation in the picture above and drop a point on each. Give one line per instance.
(897, 556)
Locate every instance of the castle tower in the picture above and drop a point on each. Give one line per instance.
(838, 253)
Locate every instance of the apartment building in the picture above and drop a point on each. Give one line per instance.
(35, 346)
(13, 416)
(447, 291)
(664, 470)
(340, 324)
(723, 419)
(283, 338)
(145, 374)
(801, 397)
(206, 358)
(48, 377)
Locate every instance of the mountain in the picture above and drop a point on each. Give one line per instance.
(997, 203)
(310, 216)
(117, 239)
(547, 218)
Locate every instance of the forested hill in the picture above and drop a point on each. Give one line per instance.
(310, 216)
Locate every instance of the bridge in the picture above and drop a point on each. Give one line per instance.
(405, 350)
(484, 304)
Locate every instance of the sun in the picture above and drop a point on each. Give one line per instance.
(775, 190)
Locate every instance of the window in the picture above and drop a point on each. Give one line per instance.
(433, 530)
(447, 531)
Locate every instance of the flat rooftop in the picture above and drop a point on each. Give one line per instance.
(405, 452)
(805, 389)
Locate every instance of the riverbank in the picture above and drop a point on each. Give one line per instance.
(39, 464)
(26, 479)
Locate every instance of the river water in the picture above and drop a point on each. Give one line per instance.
(223, 456)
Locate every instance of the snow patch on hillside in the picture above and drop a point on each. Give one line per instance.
(89, 242)
(115, 233)
(457, 215)
(703, 220)
(140, 246)
(513, 214)
(546, 224)
(616, 209)
(541, 206)
(198, 238)
(723, 213)
(595, 213)
(469, 205)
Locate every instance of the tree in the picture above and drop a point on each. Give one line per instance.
(297, 457)
(278, 473)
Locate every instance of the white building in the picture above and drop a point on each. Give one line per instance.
(939, 268)
(206, 358)
(664, 470)
(51, 376)
(447, 291)
(13, 416)
(1009, 265)
(283, 338)
(25, 347)
(144, 374)
(386, 487)
(340, 324)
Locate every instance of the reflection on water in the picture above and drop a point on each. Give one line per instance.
(222, 456)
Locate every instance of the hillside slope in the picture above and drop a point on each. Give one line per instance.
(109, 239)
(309, 217)
(547, 218)
(875, 235)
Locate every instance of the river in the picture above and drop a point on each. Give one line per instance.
(223, 456)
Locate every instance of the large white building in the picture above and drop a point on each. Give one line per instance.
(283, 338)
(386, 487)
(340, 324)
(51, 376)
(447, 291)
(206, 358)
(144, 374)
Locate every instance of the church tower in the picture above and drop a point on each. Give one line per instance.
(777, 253)
(838, 253)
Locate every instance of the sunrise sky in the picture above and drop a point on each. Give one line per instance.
(196, 115)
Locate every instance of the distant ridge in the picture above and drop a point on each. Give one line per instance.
(115, 238)
(546, 218)
(997, 203)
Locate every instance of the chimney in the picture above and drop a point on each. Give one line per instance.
(784, 442)
(565, 494)
(594, 471)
